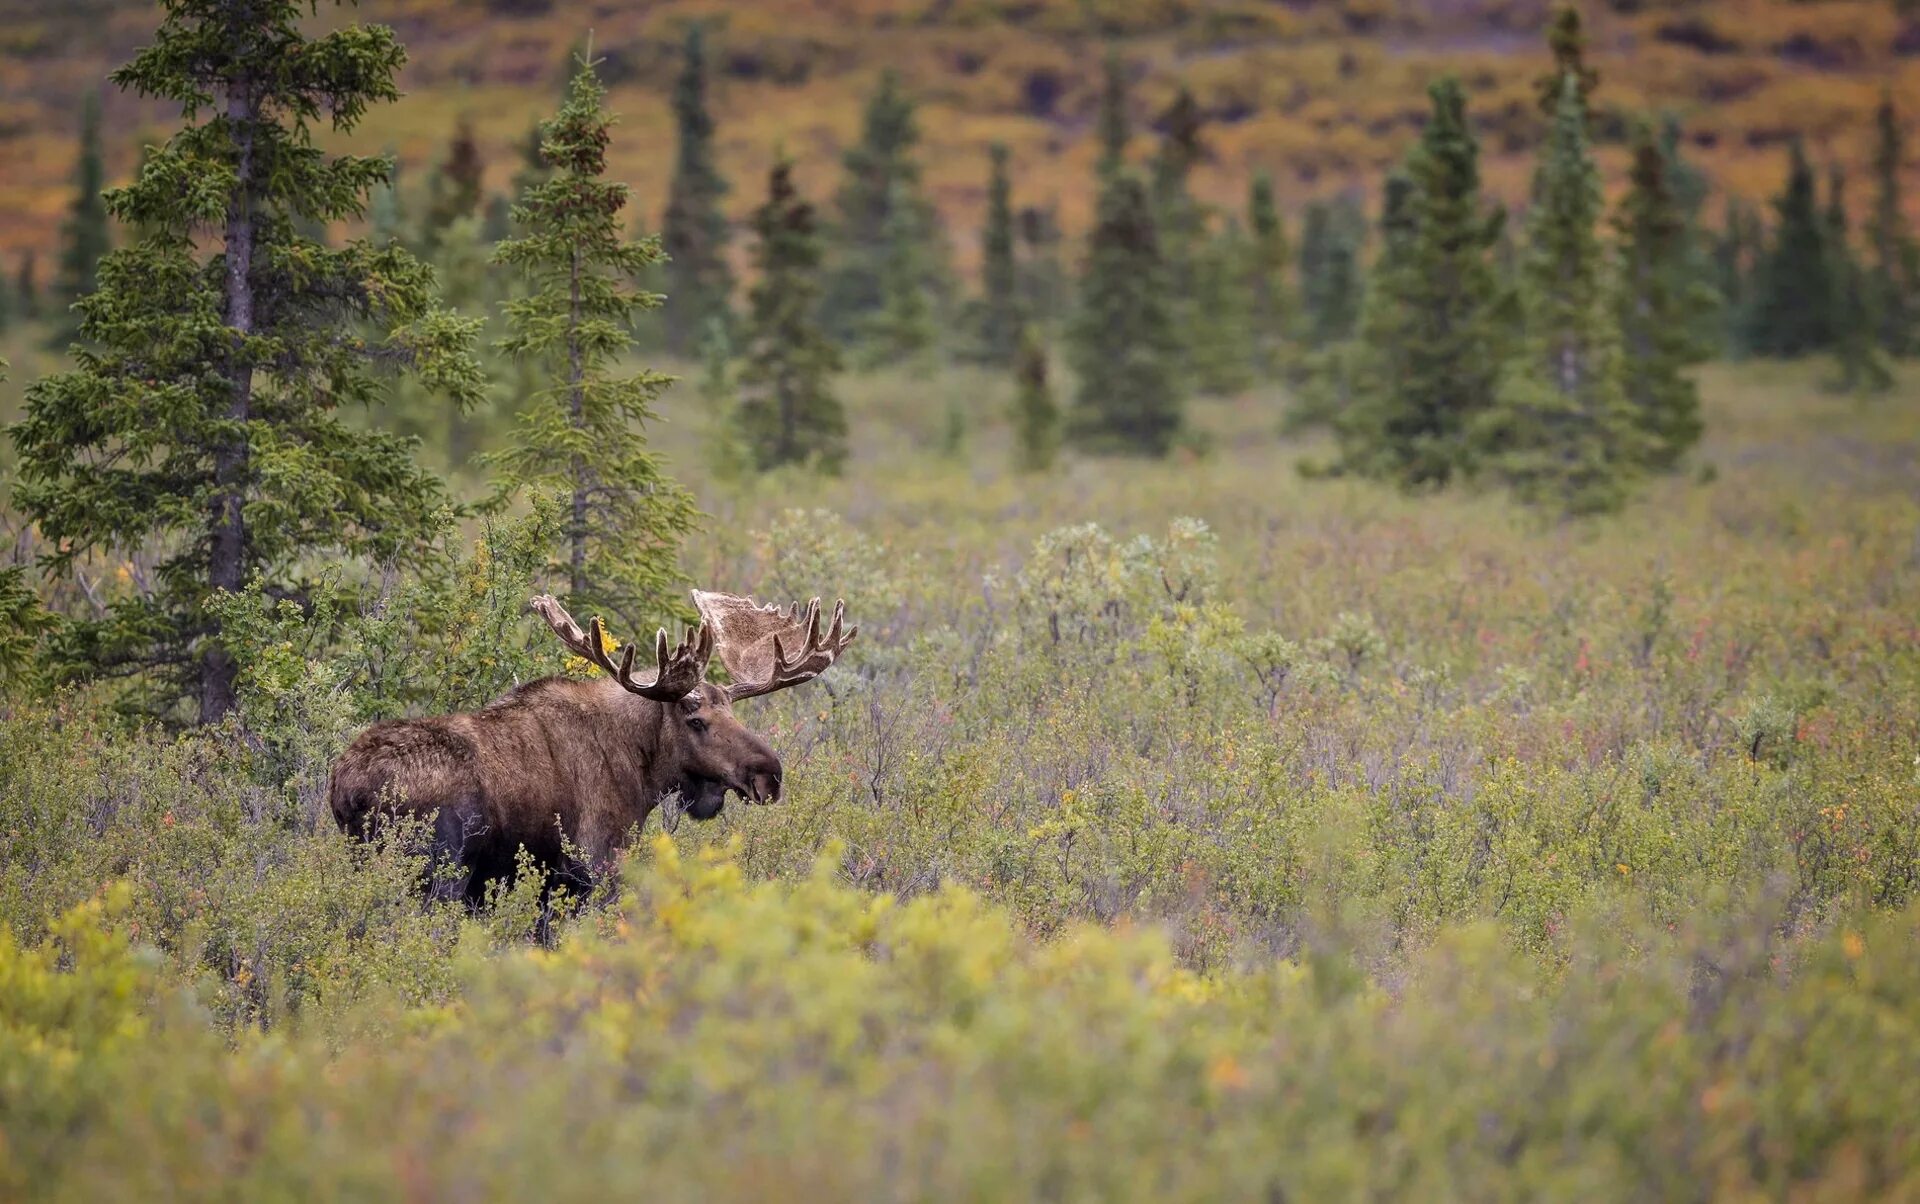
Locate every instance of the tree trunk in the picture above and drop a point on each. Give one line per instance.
(577, 398)
(227, 542)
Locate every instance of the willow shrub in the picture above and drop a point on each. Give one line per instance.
(1342, 845)
(720, 1038)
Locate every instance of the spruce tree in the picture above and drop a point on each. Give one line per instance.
(1181, 224)
(1690, 188)
(534, 170)
(1733, 255)
(1001, 316)
(1330, 240)
(1856, 345)
(1561, 432)
(1567, 40)
(1272, 314)
(725, 452)
(84, 237)
(902, 329)
(6, 304)
(583, 434)
(26, 286)
(1399, 218)
(1893, 283)
(1689, 185)
(454, 189)
(1113, 125)
(1360, 390)
(881, 175)
(1506, 252)
(202, 413)
(1218, 340)
(1036, 416)
(1044, 288)
(1792, 311)
(1431, 343)
(699, 280)
(788, 412)
(1180, 152)
(386, 206)
(1659, 304)
(1315, 236)
(1123, 347)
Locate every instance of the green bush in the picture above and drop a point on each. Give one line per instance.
(725, 1039)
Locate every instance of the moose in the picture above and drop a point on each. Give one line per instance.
(588, 759)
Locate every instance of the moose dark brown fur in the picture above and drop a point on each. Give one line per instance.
(588, 758)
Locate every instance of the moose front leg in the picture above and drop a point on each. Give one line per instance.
(451, 876)
(591, 858)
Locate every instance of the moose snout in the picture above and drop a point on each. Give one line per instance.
(764, 784)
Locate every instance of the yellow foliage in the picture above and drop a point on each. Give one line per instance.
(1324, 96)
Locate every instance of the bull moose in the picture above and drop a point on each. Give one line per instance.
(589, 759)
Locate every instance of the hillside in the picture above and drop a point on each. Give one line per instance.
(1323, 94)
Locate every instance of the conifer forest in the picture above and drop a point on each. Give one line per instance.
(1367, 560)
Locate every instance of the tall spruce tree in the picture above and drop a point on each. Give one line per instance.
(1659, 304)
(1893, 283)
(386, 205)
(1734, 249)
(26, 286)
(583, 434)
(1561, 432)
(1330, 238)
(1272, 314)
(1690, 189)
(1036, 416)
(788, 412)
(455, 190)
(1044, 288)
(699, 280)
(1856, 345)
(202, 413)
(1218, 340)
(1430, 333)
(532, 172)
(1180, 152)
(902, 329)
(1315, 235)
(1689, 185)
(1123, 347)
(870, 237)
(1114, 128)
(1001, 314)
(1792, 310)
(1567, 40)
(1181, 224)
(85, 236)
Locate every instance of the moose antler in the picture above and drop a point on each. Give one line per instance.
(680, 670)
(768, 649)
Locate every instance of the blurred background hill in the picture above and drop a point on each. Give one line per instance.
(1324, 95)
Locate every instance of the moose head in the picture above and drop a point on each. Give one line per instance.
(702, 751)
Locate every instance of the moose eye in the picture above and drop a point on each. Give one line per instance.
(697, 724)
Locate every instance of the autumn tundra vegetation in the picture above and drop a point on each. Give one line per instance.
(1410, 691)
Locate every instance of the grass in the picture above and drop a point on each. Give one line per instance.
(1186, 824)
